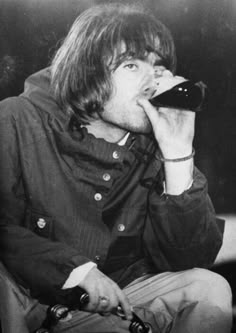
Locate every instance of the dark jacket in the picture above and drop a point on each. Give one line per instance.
(68, 198)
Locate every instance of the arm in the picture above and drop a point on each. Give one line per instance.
(173, 130)
(38, 263)
(183, 219)
(47, 267)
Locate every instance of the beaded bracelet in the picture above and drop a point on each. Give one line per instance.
(181, 159)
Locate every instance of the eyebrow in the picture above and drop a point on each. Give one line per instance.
(116, 61)
(126, 56)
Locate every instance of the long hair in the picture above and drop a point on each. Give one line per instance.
(81, 68)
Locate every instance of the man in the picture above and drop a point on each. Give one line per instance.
(99, 189)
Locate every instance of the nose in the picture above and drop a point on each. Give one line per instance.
(150, 90)
(150, 87)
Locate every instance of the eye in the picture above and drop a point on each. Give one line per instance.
(131, 66)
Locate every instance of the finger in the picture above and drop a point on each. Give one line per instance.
(104, 304)
(109, 303)
(150, 110)
(167, 81)
(124, 304)
(159, 70)
(181, 78)
(93, 301)
(167, 73)
(107, 297)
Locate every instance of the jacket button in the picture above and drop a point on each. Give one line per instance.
(41, 223)
(98, 197)
(121, 227)
(97, 258)
(116, 155)
(106, 177)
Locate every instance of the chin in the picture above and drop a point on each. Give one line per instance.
(145, 127)
(141, 129)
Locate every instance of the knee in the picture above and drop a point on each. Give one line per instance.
(211, 288)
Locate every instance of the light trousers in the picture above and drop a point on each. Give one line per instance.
(191, 301)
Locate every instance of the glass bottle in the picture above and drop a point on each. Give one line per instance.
(186, 95)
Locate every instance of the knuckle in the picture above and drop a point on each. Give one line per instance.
(93, 305)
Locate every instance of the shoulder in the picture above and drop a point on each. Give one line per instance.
(20, 120)
(13, 108)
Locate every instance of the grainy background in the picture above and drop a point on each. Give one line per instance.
(205, 36)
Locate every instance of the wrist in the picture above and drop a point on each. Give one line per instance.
(178, 159)
(178, 176)
(78, 274)
(176, 151)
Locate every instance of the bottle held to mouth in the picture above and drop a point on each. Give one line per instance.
(186, 95)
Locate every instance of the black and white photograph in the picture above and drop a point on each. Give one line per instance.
(117, 166)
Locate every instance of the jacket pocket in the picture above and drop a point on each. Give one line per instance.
(39, 223)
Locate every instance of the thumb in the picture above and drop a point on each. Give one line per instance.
(150, 110)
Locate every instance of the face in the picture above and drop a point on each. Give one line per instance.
(133, 79)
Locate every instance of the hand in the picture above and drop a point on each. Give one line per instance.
(104, 294)
(172, 128)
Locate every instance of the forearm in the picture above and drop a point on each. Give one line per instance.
(178, 176)
(178, 166)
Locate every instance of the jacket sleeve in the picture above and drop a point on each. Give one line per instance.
(182, 231)
(37, 263)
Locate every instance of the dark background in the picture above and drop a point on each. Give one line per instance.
(205, 36)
